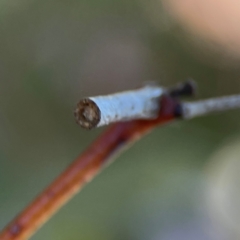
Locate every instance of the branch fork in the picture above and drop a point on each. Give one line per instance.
(133, 114)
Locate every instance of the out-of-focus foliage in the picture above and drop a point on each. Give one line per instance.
(52, 53)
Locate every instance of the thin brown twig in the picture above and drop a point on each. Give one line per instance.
(88, 164)
(83, 169)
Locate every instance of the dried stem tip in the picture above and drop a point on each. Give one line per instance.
(97, 111)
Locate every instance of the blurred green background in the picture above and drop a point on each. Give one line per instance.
(169, 185)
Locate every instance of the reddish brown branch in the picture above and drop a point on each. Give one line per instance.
(82, 170)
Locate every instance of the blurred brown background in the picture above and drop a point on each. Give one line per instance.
(178, 183)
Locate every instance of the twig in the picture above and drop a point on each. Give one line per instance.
(142, 103)
(87, 165)
(205, 107)
(83, 169)
(97, 111)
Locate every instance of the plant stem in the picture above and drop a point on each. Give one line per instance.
(97, 111)
(117, 137)
(83, 169)
(205, 107)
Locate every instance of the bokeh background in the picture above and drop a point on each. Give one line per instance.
(181, 182)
